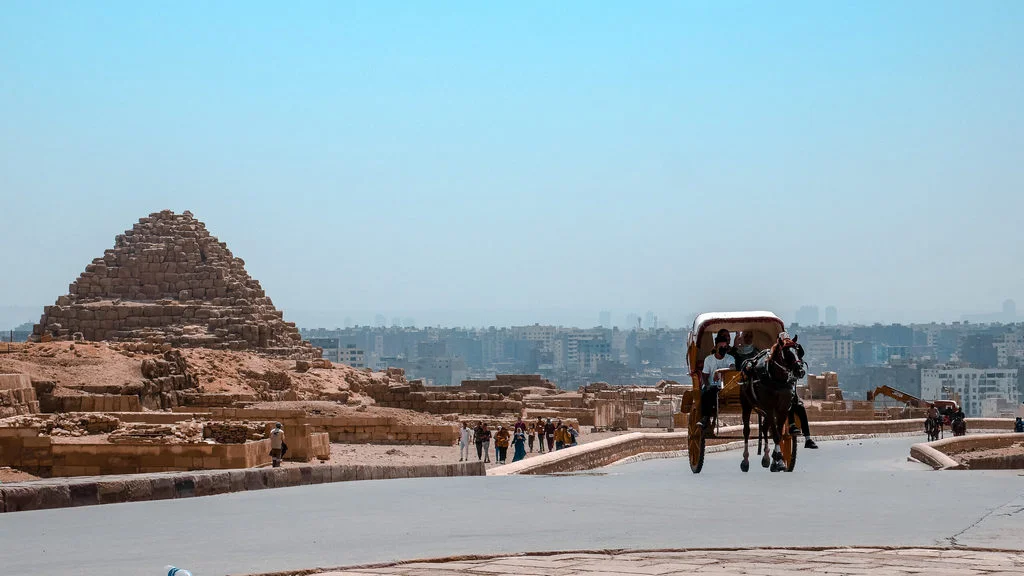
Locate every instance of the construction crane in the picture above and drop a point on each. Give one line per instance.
(910, 400)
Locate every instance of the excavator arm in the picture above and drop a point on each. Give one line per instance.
(898, 395)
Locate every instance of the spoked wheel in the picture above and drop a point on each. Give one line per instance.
(788, 447)
(695, 449)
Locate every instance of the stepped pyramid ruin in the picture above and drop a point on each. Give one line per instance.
(168, 281)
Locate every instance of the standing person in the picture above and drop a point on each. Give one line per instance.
(531, 430)
(520, 425)
(519, 442)
(478, 438)
(487, 443)
(465, 439)
(540, 433)
(549, 435)
(501, 441)
(570, 436)
(559, 435)
(277, 445)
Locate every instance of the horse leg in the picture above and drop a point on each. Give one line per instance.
(777, 424)
(745, 464)
(763, 424)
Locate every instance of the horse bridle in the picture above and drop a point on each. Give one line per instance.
(791, 376)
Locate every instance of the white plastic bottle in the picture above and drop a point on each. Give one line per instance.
(172, 571)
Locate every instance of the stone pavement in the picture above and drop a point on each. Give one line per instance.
(757, 561)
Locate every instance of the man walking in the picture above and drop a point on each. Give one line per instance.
(465, 439)
(549, 434)
(277, 445)
(478, 438)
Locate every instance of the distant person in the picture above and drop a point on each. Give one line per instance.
(465, 439)
(549, 435)
(520, 425)
(531, 431)
(744, 349)
(501, 442)
(540, 433)
(519, 444)
(570, 436)
(559, 436)
(277, 445)
(1018, 426)
(714, 364)
(478, 439)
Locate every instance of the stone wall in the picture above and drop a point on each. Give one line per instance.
(96, 403)
(17, 396)
(98, 459)
(945, 454)
(88, 491)
(23, 448)
(605, 452)
(346, 429)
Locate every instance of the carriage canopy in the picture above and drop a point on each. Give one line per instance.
(765, 326)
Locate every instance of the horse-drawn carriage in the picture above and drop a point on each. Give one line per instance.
(766, 386)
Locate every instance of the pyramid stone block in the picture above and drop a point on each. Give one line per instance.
(168, 281)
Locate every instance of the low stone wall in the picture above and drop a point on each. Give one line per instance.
(585, 416)
(605, 452)
(23, 448)
(17, 395)
(60, 493)
(97, 403)
(940, 454)
(96, 459)
(346, 429)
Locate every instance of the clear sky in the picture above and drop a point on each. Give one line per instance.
(483, 163)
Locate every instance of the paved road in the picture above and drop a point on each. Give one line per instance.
(848, 493)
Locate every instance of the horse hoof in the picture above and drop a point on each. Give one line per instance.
(776, 467)
(764, 462)
(745, 465)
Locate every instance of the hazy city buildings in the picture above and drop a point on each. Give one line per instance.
(983, 364)
(807, 316)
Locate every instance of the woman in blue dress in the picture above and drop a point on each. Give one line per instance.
(519, 442)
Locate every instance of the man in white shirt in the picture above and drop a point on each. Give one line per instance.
(712, 379)
(465, 440)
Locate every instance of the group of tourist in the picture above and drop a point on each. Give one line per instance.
(554, 435)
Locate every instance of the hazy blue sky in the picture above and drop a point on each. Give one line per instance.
(474, 163)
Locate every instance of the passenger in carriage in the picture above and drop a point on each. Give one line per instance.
(712, 378)
(744, 349)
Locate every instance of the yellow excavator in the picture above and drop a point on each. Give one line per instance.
(912, 401)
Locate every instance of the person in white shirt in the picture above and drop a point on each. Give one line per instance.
(714, 364)
(465, 441)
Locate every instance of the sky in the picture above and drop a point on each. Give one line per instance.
(501, 163)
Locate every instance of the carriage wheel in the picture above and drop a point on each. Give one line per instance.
(695, 449)
(788, 447)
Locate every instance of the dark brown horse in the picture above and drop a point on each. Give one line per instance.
(768, 387)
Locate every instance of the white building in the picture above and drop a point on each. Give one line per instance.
(972, 385)
(820, 348)
(352, 356)
(843, 349)
(535, 333)
(1011, 346)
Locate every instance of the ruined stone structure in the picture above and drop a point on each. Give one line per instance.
(167, 280)
(17, 396)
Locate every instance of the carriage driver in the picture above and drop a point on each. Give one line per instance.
(712, 378)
